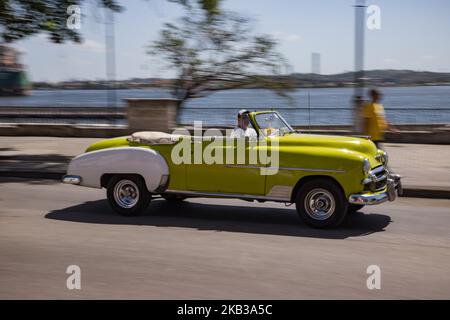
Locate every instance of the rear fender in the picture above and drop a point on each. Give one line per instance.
(145, 162)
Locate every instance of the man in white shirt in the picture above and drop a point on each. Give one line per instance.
(242, 130)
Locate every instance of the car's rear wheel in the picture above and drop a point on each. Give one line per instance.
(352, 208)
(321, 203)
(128, 195)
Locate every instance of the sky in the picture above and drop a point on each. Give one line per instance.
(413, 34)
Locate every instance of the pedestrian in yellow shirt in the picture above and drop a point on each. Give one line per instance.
(374, 118)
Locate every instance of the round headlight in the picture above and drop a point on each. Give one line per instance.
(366, 166)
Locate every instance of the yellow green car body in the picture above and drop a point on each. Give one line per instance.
(351, 168)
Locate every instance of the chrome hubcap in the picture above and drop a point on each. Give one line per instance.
(320, 204)
(126, 193)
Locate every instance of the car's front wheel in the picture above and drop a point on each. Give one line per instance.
(128, 195)
(321, 203)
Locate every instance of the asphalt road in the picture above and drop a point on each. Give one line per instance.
(210, 248)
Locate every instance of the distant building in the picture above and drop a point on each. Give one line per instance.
(315, 63)
(13, 80)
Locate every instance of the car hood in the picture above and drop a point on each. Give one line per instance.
(361, 145)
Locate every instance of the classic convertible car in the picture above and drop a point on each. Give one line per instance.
(325, 176)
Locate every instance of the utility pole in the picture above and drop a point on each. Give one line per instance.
(111, 97)
(360, 10)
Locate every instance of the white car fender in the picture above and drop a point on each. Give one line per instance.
(93, 165)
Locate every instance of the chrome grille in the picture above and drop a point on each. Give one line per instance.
(377, 179)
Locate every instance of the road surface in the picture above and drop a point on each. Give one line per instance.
(214, 248)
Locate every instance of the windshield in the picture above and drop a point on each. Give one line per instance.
(272, 124)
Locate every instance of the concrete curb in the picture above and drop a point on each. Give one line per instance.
(413, 192)
(32, 174)
(423, 134)
(426, 193)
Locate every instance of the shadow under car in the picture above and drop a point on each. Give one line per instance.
(230, 218)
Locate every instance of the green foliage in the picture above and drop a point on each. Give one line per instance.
(23, 18)
(218, 53)
(210, 7)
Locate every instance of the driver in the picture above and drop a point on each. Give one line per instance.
(242, 130)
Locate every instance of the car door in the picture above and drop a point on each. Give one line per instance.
(237, 173)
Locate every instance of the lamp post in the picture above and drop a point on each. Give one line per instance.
(360, 8)
(111, 97)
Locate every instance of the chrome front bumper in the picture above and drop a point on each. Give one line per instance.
(70, 179)
(393, 189)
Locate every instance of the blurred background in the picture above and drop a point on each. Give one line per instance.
(75, 62)
(75, 71)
